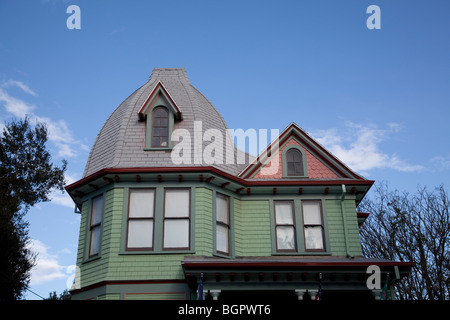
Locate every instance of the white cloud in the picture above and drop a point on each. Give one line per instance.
(59, 134)
(63, 199)
(17, 107)
(20, 85)
(359, 147)
(441, 162)
(47, 268)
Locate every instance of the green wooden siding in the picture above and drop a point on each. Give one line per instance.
(252, 228)
(336, 227)
(203, 221)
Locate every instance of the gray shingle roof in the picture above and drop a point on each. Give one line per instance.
(121, 141)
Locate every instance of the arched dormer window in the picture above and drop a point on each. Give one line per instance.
(160, 127)
(294, 162)
(159, 111)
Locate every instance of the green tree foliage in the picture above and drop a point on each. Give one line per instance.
(411, 227)
(27, 176)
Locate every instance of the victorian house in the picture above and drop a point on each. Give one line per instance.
(167, 201)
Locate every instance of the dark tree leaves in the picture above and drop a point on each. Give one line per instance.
(27, 177)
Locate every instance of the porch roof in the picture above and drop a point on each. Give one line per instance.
(288, 272)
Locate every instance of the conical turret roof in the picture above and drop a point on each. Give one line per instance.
(121, 141)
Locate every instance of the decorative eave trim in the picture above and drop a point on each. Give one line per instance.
(208, 174)
(214, 170)
(159, 87)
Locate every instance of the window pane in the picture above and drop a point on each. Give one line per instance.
(140, 234)
(95, 241)
(177, 203)
(311, 213)
(141, 203)
(283, 213)
(163, 141)
(160, 112)
(221, 238)
(291, 169)
(222, 209)
(155, 142)
(97, 210)
(313, 238)
(176, 233)
(297, 169)
(156, 122)
(285, 238)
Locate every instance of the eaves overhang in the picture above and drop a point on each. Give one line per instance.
(212, 175)
(294, 271)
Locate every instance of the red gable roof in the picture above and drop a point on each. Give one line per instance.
(321, 164)
(159, 90)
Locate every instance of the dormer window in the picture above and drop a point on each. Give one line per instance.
(160, 112)
(160, 127)
(294, 163)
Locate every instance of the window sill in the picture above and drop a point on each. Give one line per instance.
(222, 255)
(303, 253)
(295, 177)
(148, 252)
(91, 259)
(158, 149)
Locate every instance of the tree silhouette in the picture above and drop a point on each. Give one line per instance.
(27, 177)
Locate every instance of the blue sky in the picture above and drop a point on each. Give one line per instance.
(378, 99)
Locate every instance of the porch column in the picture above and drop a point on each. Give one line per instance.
(313, 293)
(215, 294)
(300, 293)
(376, 293)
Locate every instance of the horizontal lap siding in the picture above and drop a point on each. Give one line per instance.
(252, 228)
(203, 222)
(137, 266)
(336, 227)
(96, 270)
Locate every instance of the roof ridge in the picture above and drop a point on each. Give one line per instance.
(177, 72)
